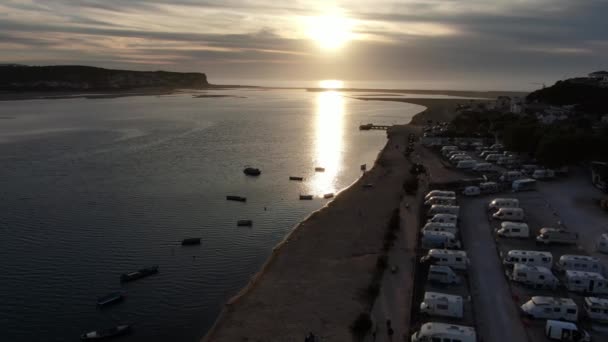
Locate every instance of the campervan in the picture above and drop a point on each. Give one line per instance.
(596, 309)
(466, 164)
(440, 193)
(434, 331)
(541, 307)
(497, 147)
(510, 176)
(586, 282)
(485, 153)
(440, 227)
(509, 214)
(538, 277)
(482, 167)
(442, 304)
(493, 157)
(455, 159)
(444, 257)
(443, 275)
(543, 174)
(565, 331)
(556, 235)
(488, 187)
(530, 258)
(443, 209)
(498, 203)
(471, 191)
(569, 262)
(434, 239)
(440, 200)
(525, 184)
(602, 243)
(444, 218)
(446, 149)
(513, 229)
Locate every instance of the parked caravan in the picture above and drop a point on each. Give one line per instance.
(440, 227)
(441, 193)
(457, 158)
(440, 200)
(513, 230)
(526, 184)
(596, 309)
(538, 277)
(510, 176)
(530, 258)
(442, 304)
(482, 167)
(493, 157)
(498, 147)
(485, 153)
(443, 209)
(509, 214)
(444, 218)
(498, 203)
(542, 307)
(446, 149)
(602, 243)
(488, 187)
(586, 282)
(466, 164)
(565, 331)
(434, 239)
(569, 262)
(454, 153)
(434, 331)
(543, 174)
(556, 235)
(443, 275)
(444, 257)
(471, 191)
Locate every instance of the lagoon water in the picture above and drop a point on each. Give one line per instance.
(92, 188)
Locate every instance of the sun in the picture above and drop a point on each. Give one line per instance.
(330, 32)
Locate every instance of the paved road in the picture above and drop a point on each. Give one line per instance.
(497, 315)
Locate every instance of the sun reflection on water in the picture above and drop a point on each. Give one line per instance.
(329, 122)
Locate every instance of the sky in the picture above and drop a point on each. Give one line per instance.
(425, 44)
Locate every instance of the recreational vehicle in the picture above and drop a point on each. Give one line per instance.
(513, 230)
(565, 331)
(444, 257)
(526, 184)
(510, 176)
(434, 239)
(586, 282)
(471, 191)
(444, 218)
(493, 157)
(596, 309)
(543, 174)
(440, 200)
(467, 164)
(442, 304)
(569, 262)
(509, 214)
(542, 307)
(443, 275)
(443, 209)
(483, 167)
(556, 235)
(538, 277)
(440, 227)
(488, 187)
(530, 258)
(441, 193)
(498, 203)
(434, 331)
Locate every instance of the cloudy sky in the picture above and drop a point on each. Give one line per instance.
(474, 44)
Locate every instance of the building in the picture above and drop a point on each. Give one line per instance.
(599, 175)
(517, 105)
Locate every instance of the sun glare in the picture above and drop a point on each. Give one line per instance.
(331, 84)
(330, 32)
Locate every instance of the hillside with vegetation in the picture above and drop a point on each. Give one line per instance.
(582, 92)
(85, 78)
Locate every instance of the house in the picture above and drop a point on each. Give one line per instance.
(599, 175)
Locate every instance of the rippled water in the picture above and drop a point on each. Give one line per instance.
(90, 189)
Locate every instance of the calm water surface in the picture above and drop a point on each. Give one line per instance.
(90, 189)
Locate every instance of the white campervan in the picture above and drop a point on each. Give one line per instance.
(442, 304)
(442, 275)
(596, 309)
(493, 157)
(444, 257)
(434, 239)
(556, 235)
(551, 308)
(524, 184)
(530, 258)
(446, 149)
(440, 200)
(471, 191)
(538, 277)
(434, 331)
(513, 230)
(444, 218)
(443, 209)
(510, 176)
(570, 262)
(498, 203)
(482, 167)
(440, 227)
(586, 282)
(441, 193)
(565, 331)
(509, 214)
(467, 164)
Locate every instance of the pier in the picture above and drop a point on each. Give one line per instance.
(370, 126)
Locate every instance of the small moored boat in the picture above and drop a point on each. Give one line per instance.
(294, 178)
(236, 198)
(363, 167)
(191, 241)
(319, 169)
(106, 333)
(305, 197)
(251, 171)
(144, 272)
(110, 298)
(244, 223)
(329, 195)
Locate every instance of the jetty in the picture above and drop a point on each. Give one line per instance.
(370, 126)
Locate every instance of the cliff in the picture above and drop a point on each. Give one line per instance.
(83, 78)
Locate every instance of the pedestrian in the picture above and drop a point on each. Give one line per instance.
(390, 333)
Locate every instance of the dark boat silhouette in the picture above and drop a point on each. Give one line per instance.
(305, 197)
(319, 169)
(144, 272)
(251, 171)
(191, 241)
(110, 298)
(295, 178)
(329, 195)
(236, 198)
(244, 223)
(106, 333)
